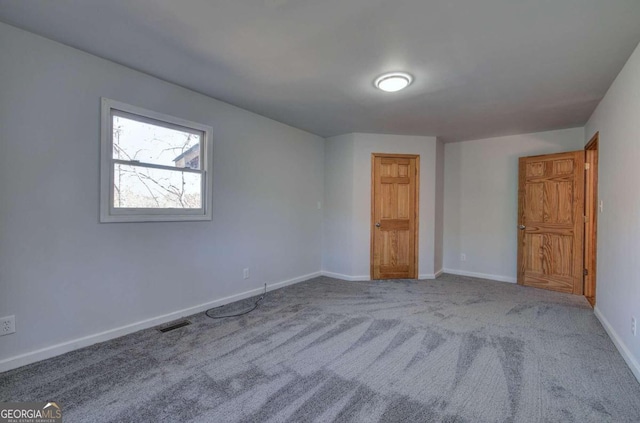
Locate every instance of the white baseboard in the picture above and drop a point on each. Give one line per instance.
(64, 347)
(481, 275)
(622, 348)
(368, 278)
(276, 285)
(430, 275)
(345, 277)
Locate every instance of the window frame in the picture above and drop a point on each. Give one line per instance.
(111, 214)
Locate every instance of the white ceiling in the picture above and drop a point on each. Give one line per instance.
(482, 68)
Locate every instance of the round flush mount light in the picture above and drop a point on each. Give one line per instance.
(393, 81)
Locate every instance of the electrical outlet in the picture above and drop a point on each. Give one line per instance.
(7, 325)
(463, 257)
(245, 273)
(633, 325)
(319, 205)
(601, 206)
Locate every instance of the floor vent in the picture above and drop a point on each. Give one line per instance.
(177, 325)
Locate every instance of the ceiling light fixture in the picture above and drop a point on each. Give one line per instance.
(393, 81)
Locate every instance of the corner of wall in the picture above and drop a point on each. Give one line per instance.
(439, 208)
(337, 207)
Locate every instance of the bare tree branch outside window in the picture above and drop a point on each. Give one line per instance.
(139, 186)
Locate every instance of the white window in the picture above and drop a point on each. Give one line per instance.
(153, 167)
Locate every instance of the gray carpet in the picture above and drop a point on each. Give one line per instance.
(452, 350)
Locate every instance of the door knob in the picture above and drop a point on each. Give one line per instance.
(521, 227)
(377, 224)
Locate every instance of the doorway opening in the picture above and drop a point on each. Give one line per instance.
(558, 220)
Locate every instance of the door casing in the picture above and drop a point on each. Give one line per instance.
(591, 222)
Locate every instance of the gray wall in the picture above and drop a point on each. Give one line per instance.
(338, 205)
(481, 199)
(617, 118)
(65, 276)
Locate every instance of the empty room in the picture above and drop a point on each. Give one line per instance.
(319, 211)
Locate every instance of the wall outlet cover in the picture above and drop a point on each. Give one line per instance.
(7, 325)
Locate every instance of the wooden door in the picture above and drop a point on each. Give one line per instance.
(551, 222)
(394, 216)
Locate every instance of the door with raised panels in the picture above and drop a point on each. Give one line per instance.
(394, 216)
(551, 221)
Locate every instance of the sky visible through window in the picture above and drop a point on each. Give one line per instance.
(137, 186)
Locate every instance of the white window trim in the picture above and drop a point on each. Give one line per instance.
(110, 214)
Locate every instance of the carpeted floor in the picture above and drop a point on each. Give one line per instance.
(452, 350)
